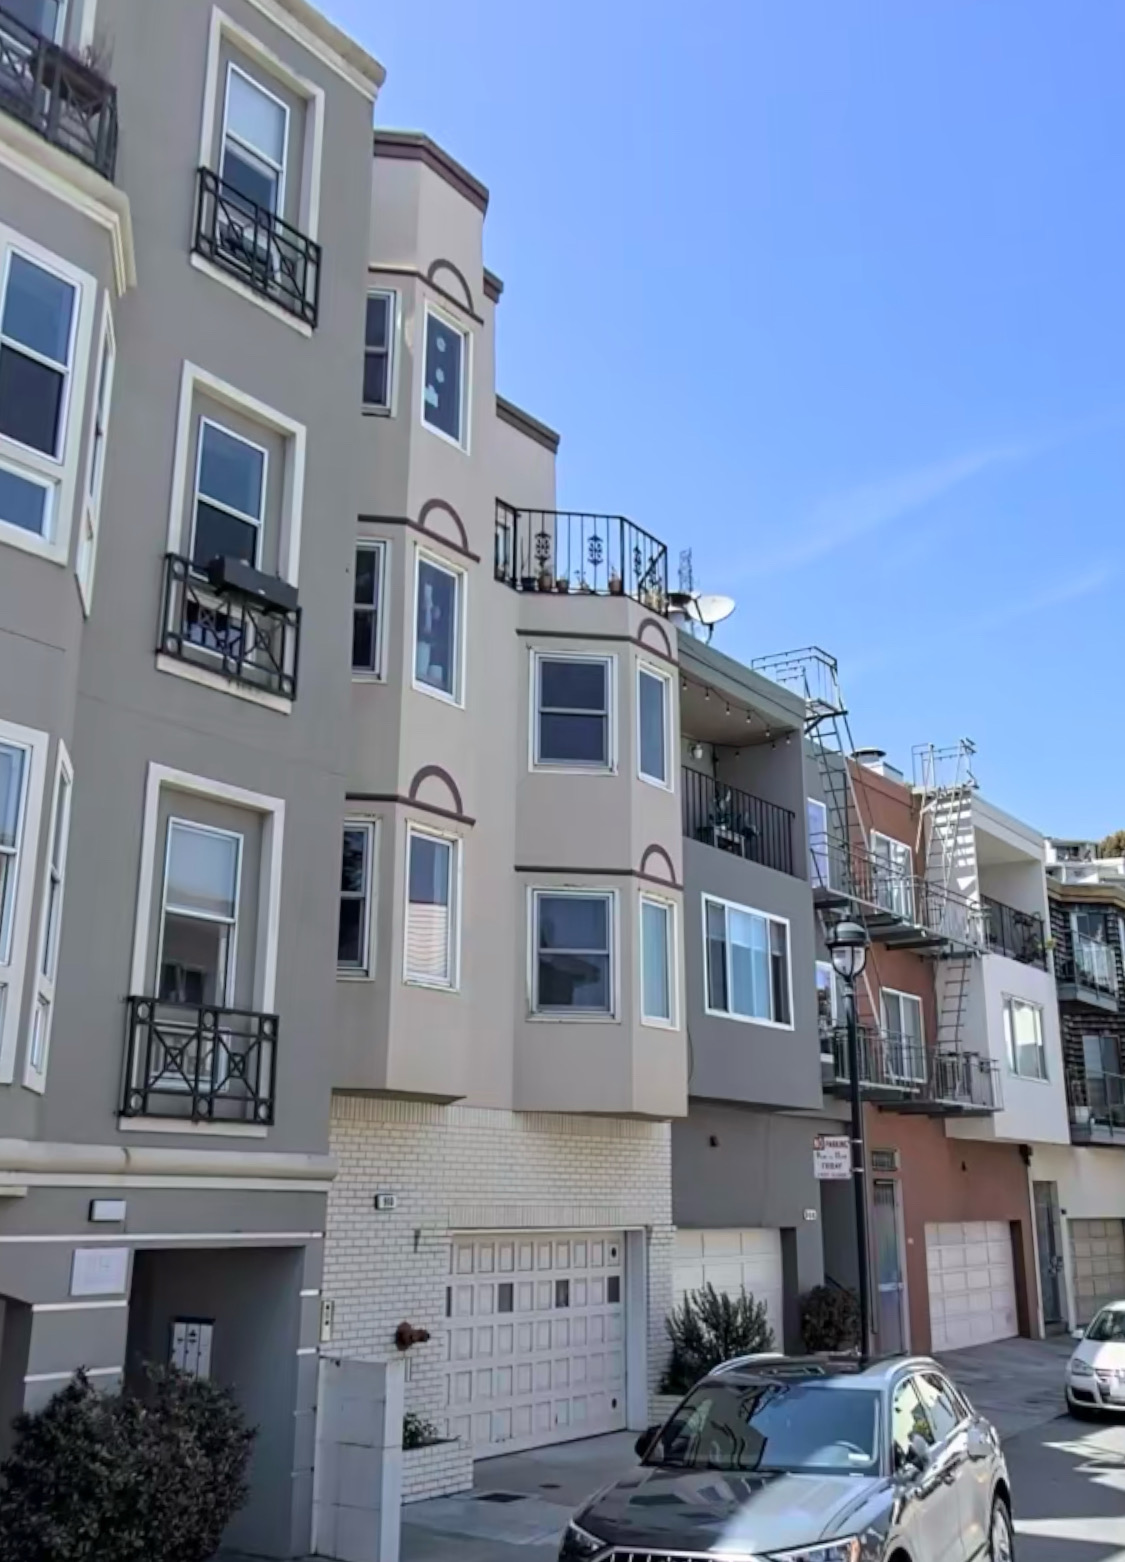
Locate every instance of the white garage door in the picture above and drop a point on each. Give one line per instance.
(730, 1259)
(972, 1283)
(536, 1339)
(1097, 1251)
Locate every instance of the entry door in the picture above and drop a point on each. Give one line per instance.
(1050, 1253)
(888, 1269)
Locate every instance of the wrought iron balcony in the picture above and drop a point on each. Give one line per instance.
(262, 251)
(228, 630)
(1087, 973)
(900, 1071)
(57, 95)
(901, 910)
(1017, 934)
(1097, 1107)
(199, 1064)
(735, 821)
(565, 551)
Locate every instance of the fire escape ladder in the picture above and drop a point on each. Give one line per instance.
(944, 784)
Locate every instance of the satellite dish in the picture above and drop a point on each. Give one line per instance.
(710, 610)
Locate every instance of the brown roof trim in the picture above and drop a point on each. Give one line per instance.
(517, 418)
(437, 773)
(423, 531)
(493, 286)
(436, 287)
(409, 802)
(605, 873)
(580, 634)
(411, 146)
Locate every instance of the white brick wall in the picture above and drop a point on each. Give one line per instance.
(437, 1470)
(459, 1168)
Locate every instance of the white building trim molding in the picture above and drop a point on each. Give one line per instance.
(13, 963)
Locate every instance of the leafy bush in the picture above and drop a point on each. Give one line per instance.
(125, 1478)
(417, 1432)
(708, 1327)
(830, 1318)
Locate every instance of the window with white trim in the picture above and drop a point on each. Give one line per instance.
(892, 865)
(438, 628)
(15, 773)
(572, 959)
(254, 144)
(445, 362)
(748, 974)
(367, 609)
(829, 999)
(432, 933)
(39, 311)
(199, 915)
(228, 506)
(816, 814)
(573, 697)
(95, 461)
(1023, 1039)
(378, 350)
(353, 948)
(903, 1034)
(51, 924)
(658, 961)
(653, 701)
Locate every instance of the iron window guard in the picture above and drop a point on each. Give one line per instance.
(57, 95)
(252, 642)
(261, 250)
(199, 1063)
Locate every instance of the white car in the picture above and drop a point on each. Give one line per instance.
(1095, 1374)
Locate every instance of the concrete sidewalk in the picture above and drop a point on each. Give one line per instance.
(520, 1503)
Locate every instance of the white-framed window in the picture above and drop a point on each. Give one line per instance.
(95, 460)
(658, 961)
(50, 928)
(432, 934)
(39, 314)
(892, 864)
(353, 950)
(572, 717)
(439, 628)
(1023, 1038)
(198, 935)
(903, 1034)
(254, 146)
(816, 814)
(747, 964)
(829, 999)
(573, 966)
(653, 726)
(367, 610)
(23, 768)
(15, 777)
(445, 378)
(228, 507)
(379, 349)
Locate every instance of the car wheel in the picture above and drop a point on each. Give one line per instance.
(1001, 1544)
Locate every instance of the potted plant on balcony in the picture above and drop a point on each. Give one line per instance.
(584, 586)
(562, 583)
(616, 588)
(546, 580)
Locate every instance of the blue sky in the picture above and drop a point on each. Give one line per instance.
(833, 292)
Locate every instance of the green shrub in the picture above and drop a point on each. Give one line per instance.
(417, 1432)
(709, 1327)
(125, 1478)
(830, 1318)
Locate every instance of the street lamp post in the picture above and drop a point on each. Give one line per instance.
(847, 944)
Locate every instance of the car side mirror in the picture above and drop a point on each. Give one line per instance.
(1078, 1334)
(647, 1438)
(919, 1451)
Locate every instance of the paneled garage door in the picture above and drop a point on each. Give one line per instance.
(972, 1283)
(536, 1339)
(729, 1259)
(1097, 1251)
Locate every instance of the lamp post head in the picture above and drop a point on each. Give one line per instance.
(848, 944)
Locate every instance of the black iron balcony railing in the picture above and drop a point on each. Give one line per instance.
(261, 250)
(1097, 1105)
(56, 95)
(901, 1069)
(1088, 967)
(200, 1064)
(737, 822)
(900, 908)
(1017, 934)
(228, 631)
(564, 551)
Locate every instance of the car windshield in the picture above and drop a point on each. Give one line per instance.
(1108, 1325)
(817, 1428)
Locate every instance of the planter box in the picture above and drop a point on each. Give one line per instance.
(436, 1470)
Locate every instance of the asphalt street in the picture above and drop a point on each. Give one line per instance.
(1068, 1485)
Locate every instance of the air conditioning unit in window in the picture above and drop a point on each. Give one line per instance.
(250, 247)
(231, 574)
